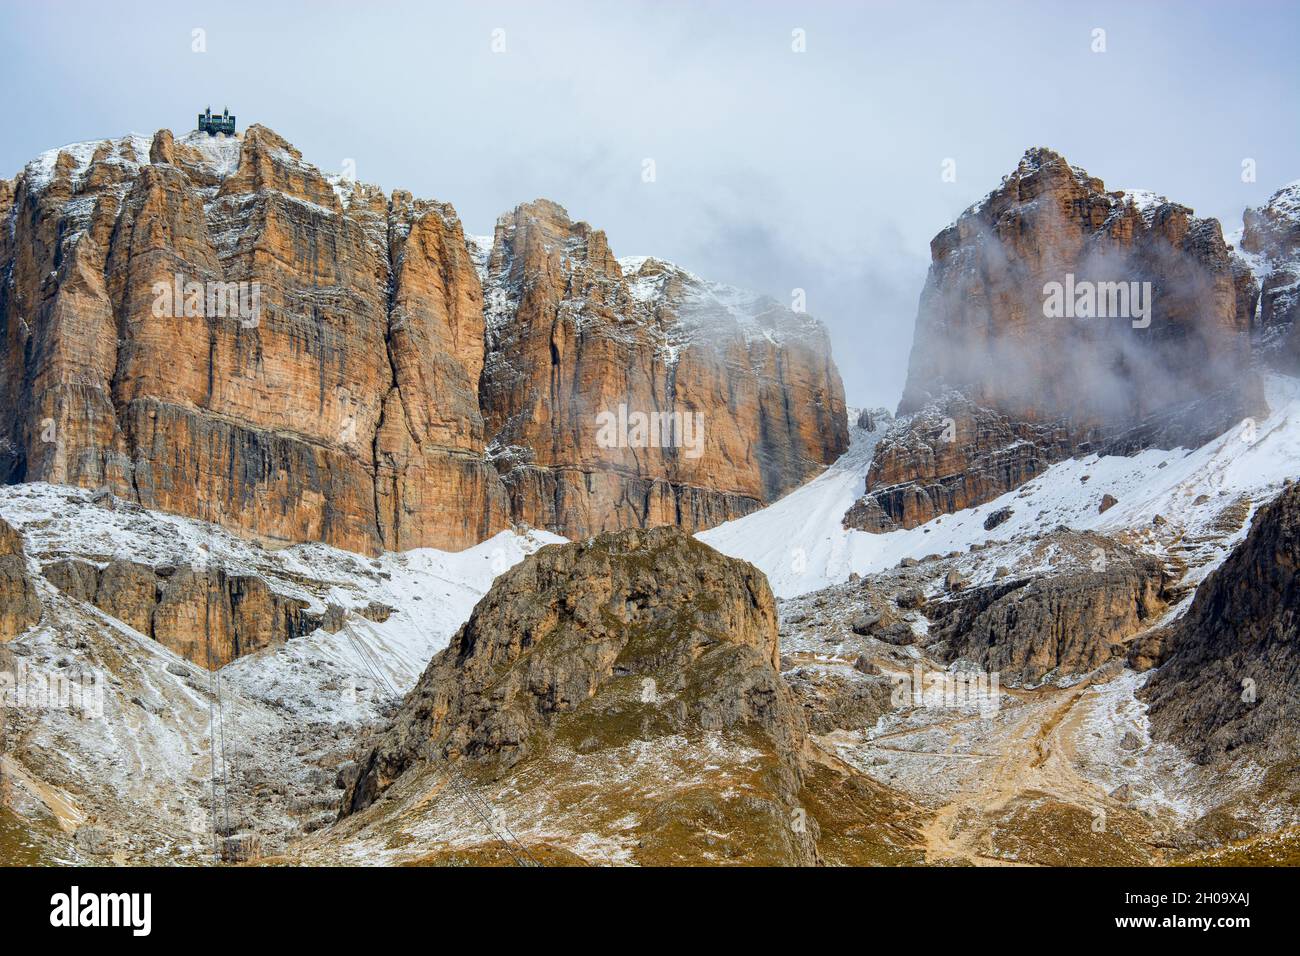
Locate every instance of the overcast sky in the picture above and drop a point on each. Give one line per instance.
(774, 169)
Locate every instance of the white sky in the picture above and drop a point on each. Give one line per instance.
(774, 169)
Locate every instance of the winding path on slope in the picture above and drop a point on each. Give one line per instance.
(1035, 757)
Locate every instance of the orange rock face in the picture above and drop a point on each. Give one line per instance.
(211, 327)
(1005, 378)
(749, 403)
(20, 606)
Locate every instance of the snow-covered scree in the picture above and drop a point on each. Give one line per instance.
(801, 544)
(141, 770)
(432, 592)
(997, 759)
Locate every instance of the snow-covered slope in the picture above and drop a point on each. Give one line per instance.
(800, 543)
(432, 592)
(141, 770)
(706, 310)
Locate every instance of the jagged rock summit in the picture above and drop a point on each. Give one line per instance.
(1270, 243)
(1060, 318)
(210, 326)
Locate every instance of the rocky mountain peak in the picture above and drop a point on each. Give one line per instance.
(1270, 244)
(327, 363)
(1157, 321)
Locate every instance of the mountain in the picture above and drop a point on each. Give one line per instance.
(115, 616)
(1270, 243)
(574, 333)
(1228, 686)
(621, 701)
(646, 660)
(1066, 639)
(211, 327)
(1060, 318)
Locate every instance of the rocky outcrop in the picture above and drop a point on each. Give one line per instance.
(1229, 687)
(832, 701)
(20, 607)
(748, 400)
(1000, 386)
(208, 617)
(209, 326)
(620, 645)
(952, 455)
(1270, 243)
(1055, 625)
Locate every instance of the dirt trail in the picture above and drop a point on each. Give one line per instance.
(1036, 757)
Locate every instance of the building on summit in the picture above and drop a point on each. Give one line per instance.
(212, 125)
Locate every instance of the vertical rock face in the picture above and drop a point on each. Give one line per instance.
(1270, 241)
(208, 617)
(1230, 684)
(1001, 383)
(576, 338)
(1058, 624)
(20, 607)
(433, 485)
(315, 415)
(209, 326)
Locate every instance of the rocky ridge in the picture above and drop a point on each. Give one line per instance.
(627, 639)
(373, 401)
(1060, 624)
(1270, 243)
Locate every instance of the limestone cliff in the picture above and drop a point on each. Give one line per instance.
(1270, 242)
(573, 334)
(1064, 623)
(308, 417)
(1230, 682)
(210, 326)
(999, 385)
(210, 617)
(20, 607)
